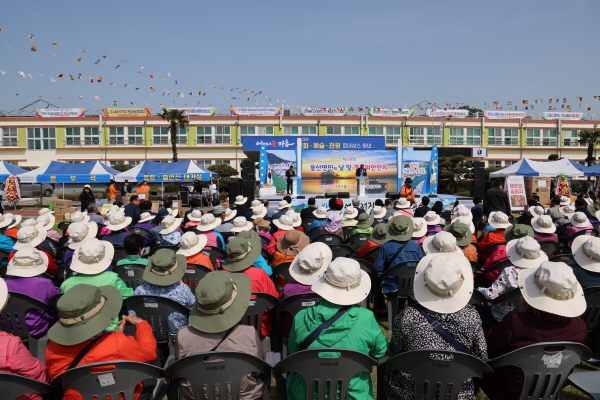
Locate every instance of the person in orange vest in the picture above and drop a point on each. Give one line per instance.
(143, 188)
(407, 190)
(112, 191)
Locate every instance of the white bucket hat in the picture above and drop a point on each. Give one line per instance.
(259, 212)
(565, 201)
(310, 263)
(441, 242)
(92, 256)
(553, 288)
(283, 204)
(543, 224)
(402, 203)
(579, 220)
(195, 215)
(498, 220)
(229, 214)
(208, 222)
(79, 216)
(45, 211)
(379, 212)
(8, 219)
(117, 221)
(29, 236)
(240, 200)
(462, 211)
(350, 212)
(343, 282)
(256, 203)
(169, 224)
(464, 220)
(320, 212)
(241, 224)
(191, 243)
(443, 283)
(27, 262)
(586, 251)
(146, 216)
(296, 220)
(31, 222)
(536, 211)
(284, 223)
(420, 227)
(173, 211)
(431, 218)
(46, 221)
(80, 231)
(525, 252)
(567, 210)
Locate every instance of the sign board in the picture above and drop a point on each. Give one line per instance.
(203, 111)
(479, 152)
(253, 143)
(59, 112)
(515, 187)
(505, 114)
(264, 111)
(126, 112)
(565, 116)
(430, 112)
(324, 112)
(391, 112)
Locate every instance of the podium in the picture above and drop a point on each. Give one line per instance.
(361, 185)
(294, 186)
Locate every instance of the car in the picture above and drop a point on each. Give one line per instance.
(33, 189)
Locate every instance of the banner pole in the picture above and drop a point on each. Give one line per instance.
(299, 166)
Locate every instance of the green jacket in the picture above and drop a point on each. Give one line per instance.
(368, 230)
(102, 279)
(356, 330)
(133, 259)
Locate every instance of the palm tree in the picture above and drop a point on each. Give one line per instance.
(591, 138)
(176, 118)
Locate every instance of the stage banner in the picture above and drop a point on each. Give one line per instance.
(126, 112)
(505, 114)
(253, 143)
(335, 171)
(391, 112)
(515, 186)
(430, 112)
(279, 162)
(565, 116)
(59, 112)
(201, 111)
(415, 164)
(324, 112)
(264, 111)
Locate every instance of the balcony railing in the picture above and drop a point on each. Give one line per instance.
(424, 141)
(135, 141)
(10, 143)
(541, 142)
(509, 141)
(164, 141)
(572, 142)
(73, 142)
(458, 141)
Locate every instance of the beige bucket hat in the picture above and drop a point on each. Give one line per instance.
(229, 214)
(29, 236)
(27, 262)
(543, 224)
(195, 215)
(567, 211)
(525, 252)
(462, 211)
(46, 221)
(240, 200)
(403, 203)
(44, 211)
(259, 212)
(311, 263)
(432, 218)
(241, 224)
(420, 227)
(169, 224)
(92, 256)
(284, 223)
(579, 220)
(441, 242)
(343, 282)
(296, 220)
(283, 204)
(8, 219)
(146, 216)
(79, 216)
(565, 201)
(536, 211)
(350, 212)
(191, 243)
(378, 212)
(208, 222)
(498, 220)
(80, 231)
(320, 212)
(117, 221)
(586, 251)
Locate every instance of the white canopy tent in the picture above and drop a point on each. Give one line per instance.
(526, 167)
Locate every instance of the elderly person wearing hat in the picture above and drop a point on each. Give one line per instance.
(134, 244)
(433, 222)
(170, 233)
(364, 224)
(282, 209)
(306, 268)
(193, 219)
(258, 210)
(333, 224)
(443, 287)
(7, 242)
(86, 312)
(162, 277)
(221, 300)
(32, 235)
(544, 229)
(241, 206)
(46, 222)
(92, 262)
(419, 230)
(288, 247)
(342, 286)
(146, 221)
(191, 246)
(78, 232)
(86, 197)
(532, 210)
(379, 214)
(499, 221)
(582, 206)
(523, 253)
(296, 220)
(320, 215)
(227, 215)
(24, 270)
(549, 311)
(403, 207)
(396, 250)
(117, 224)
(349, 217)
(579, 222)
(263, 228)
(17, 358)
(462, 234)
(240, 224)
(195, 204)
(586, 251)
(284, 224)
(208, 222)
(378, 237)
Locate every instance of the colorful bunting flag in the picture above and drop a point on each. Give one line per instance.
(96, 98)
(78, 59)
(31, 37)
(33, 48)
(55, 44)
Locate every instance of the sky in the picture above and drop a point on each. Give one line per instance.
(326, 53)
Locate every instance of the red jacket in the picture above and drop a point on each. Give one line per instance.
(273, 244)
(16, 359)
(492, 237)
(370, 245)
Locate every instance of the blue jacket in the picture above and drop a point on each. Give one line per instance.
(384, 260)
(316, 224)
(7, 243)
(262, 264)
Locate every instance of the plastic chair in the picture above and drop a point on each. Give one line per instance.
(405, 271)
(139, 230)
(587, 381)
(216, 369)
(156, 248)
(122, 379)
(193, 274)
(14, 386)
(477, 298)
(357, 240)
(63, 226)
(499, 266)
(585, 232)
(475, 266)
(259, 304)
(120, 254)
(348, 231)
(549, 247)
(512, 296)
(264, 240)
(341, 250)
(62, 273)
(375, 282)
(306, 223)
(433, 368)
(313, 231)
(492, 247)
(337, 366)
(566, 258)
(156, 310)
(12, 320)
(214, 253)
(291, 306)
(328, 239)
(282, 270)
(591, 316)
(131, 274)
(371, 255)
(544, 378)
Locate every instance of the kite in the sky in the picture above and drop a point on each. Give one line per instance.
(31, 37)
(81, 51)
(78, 59)
(55, 44)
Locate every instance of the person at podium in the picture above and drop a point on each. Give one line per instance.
(361, 171)
(289, 174)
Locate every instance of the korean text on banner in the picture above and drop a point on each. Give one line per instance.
(266, 111)
(562, 116)
(254, 143)
(430, 112)
(505, 114)
(59, 112)
(515, 187)
(126, 112)
(201, 111)
(391, 112)
(323, 112)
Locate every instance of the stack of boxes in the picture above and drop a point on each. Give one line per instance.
(62, 207)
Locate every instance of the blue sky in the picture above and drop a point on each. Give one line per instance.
(311, 53)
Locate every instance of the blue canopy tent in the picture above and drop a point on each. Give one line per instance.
(58, 172)
(152, 171)
(7, 169)
(594, 170)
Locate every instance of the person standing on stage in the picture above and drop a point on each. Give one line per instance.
(289, 174)
(361, 171)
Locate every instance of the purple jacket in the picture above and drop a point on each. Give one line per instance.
(42, 289)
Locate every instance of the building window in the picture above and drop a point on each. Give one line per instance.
(204, 163)
(465, 136)
(213, 134)
(376, 130)
(204, 135)
(572, 138)
(182, 135)
(133, 163)
(72, 136)
(343, 130)
(91, 136)
(135, 135)
(541, 137)
(116, 136)
(256, 130)
(422, 135)
(299, 130)
(9, 137)
(161, 135)
(503, 137)
(392, 134)
(41, 138)
(495, 163)
(226, 162)
(222, 135)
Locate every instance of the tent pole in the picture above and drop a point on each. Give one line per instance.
(63, 190)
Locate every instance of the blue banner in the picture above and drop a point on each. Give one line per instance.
(63, 178)
(263, 164)
(253, 143)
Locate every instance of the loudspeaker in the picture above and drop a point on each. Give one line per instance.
(343, 195)
(185, 198)
(477, 188)
(301, 197)
(330, 195)
(248, 191)
(478, 183)
(247, 164)
(235, 189)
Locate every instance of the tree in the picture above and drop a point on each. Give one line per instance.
(175, 118)
(455, 171)
(122, 167)
(553, 157)
(224, 170)
(591, 138)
